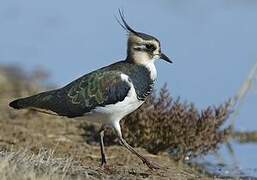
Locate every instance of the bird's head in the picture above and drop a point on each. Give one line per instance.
(142, 48)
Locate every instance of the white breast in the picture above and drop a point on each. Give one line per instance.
(151, 67)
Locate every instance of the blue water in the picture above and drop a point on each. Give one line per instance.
(239, 163)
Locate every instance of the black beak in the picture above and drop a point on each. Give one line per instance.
(165, 58)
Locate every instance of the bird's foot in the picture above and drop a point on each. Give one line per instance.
(106, 168)
(103, 162)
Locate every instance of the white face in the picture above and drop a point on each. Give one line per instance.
(143, 51)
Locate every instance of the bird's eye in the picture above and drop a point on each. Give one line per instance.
(150, 47)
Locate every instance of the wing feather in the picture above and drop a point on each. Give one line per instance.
(94, 90)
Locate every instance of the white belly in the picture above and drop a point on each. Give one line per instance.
(115, 112)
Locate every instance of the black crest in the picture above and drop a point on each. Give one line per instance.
(128, 28)
(124, 24)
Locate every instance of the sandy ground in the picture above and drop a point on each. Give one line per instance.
(32, 132)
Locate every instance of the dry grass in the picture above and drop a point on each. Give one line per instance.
(24, 165)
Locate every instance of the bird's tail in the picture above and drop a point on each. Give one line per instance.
(17, 104)
(42, 100)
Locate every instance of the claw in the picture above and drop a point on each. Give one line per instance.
(106, 168)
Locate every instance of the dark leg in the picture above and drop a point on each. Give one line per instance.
(103, 157)
(150, 164)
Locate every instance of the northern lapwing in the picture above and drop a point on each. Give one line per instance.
(108, 94)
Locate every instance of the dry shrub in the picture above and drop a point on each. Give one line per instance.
(163, 124)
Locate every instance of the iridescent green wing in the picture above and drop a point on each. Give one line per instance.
(98, 88)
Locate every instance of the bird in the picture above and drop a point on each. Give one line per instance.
(108, 94)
